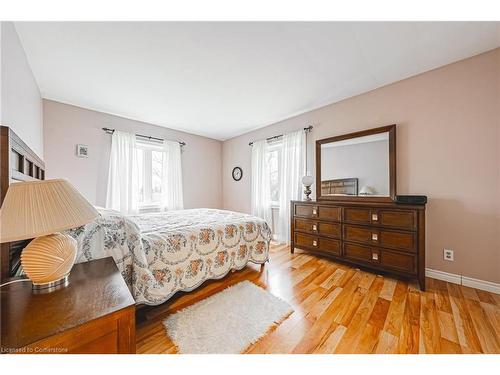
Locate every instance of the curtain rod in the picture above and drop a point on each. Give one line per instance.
(307, 130)
(111, 131)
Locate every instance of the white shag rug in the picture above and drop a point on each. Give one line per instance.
(227, 322)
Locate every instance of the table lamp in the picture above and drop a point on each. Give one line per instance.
(307, 181)
(42, 209)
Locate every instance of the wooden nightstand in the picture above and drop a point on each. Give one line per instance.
(95, 313)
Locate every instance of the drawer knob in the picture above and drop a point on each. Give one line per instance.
(374, 256)
(315, 243)
(315, 211)
(314, 227)
(374, 217)
(374, 236)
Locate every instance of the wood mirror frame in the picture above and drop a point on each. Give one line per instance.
(391, 129)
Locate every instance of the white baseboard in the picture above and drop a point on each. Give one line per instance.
(463, 280)
(445, 276)
(481, 284)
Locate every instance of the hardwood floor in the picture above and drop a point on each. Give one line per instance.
(339, 309)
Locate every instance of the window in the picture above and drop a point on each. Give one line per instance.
(274, 161)
(150, 166)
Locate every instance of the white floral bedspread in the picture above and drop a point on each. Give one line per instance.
(160, 254)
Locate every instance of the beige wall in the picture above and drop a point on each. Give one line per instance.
(448, 141)
(21, 104)
(66, 126)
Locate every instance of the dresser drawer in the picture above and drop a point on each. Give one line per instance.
(397, 240)
(320, 212)
(330, 213)
(402, 219)
(375, 236)
(319, 243)
(399, 261)
(305, 225)
(318, 227)
(330, 229)
(330, 246)
(307, 240)
(361, 253)
(396, 218)
(389, 259)
(306, 210)
(361, 234)
(357, 215)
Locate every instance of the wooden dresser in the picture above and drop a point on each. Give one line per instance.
(385, 237)
(95, 313)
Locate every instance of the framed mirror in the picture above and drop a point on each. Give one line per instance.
(357, 166)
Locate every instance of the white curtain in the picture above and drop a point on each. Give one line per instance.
(123, 179)
(171, 184)
(293, 167)
(261, 185)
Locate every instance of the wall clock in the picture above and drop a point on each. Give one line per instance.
(237, 173)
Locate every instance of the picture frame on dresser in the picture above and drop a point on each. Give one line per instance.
(371, 232)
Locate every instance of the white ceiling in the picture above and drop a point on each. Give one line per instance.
(223, 79)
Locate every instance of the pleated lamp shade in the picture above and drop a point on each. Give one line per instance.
(37, 208)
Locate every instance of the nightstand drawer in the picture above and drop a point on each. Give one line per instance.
(94, 313)
(108, 335)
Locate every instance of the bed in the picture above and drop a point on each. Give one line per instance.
(160, 254)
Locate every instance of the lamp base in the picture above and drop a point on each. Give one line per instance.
(307, 193)
(52, 285)
(47, 260)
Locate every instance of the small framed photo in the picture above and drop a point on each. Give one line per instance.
(82, 151)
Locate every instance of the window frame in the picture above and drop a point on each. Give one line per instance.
(276, 146)
(147, 147)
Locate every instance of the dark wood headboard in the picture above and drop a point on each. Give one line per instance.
(17, 163)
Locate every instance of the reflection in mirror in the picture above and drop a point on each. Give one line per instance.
(356, 166)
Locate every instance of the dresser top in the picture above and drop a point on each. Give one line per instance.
(95, 289)
(392, 205)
